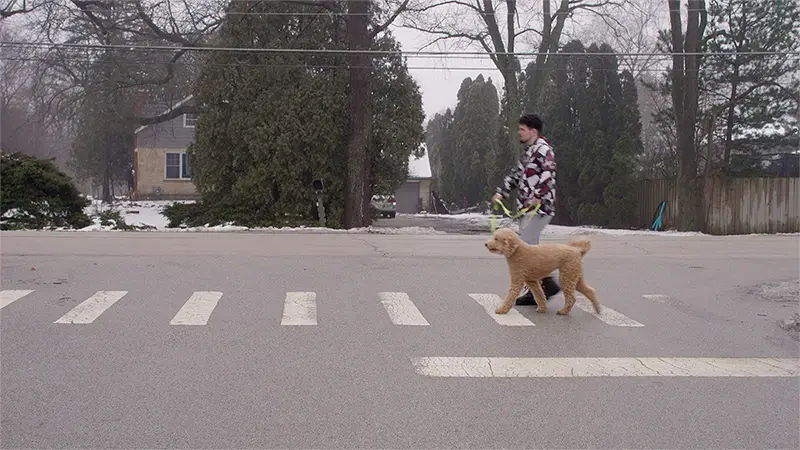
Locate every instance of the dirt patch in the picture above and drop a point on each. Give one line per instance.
(782, 292)
(791, 325)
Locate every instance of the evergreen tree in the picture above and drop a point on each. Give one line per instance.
(592, 120)
(749, 91)
(271, 123)
(101, 150)
(465, 155)
(437, 141)
(565, 106)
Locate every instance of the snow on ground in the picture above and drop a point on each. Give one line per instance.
(140, 213)
(147, 215)
(553, 230)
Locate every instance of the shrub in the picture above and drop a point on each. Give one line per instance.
(35, 194)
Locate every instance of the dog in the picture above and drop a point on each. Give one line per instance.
(528, 264)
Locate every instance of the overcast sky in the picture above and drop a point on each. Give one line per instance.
(440, 77)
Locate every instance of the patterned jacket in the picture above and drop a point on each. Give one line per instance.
(535, 175)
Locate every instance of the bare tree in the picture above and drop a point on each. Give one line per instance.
(632, 30)
(498, 33)
(685, 101)
(31, 123)
(14, 7)
(361, 35)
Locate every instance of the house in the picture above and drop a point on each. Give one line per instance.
(161, 168)
(414, 195)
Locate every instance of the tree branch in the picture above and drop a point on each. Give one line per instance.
(8, 12)
(443, 3)
(165, 117)
(381, 28)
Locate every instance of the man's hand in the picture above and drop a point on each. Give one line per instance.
(497, 197)
(536, 201)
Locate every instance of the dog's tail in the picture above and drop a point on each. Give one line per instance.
(584, 245)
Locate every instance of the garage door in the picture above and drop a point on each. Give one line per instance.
(407, 198)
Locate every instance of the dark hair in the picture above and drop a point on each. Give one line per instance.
(531, 121)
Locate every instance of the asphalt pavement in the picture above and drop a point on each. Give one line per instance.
(257, 340)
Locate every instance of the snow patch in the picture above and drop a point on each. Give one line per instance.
(553, 230)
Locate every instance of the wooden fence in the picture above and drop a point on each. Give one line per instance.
(731, 205)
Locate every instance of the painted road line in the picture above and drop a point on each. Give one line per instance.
(9, 297)
(197, 309)
(607, 314)
(512, 318)
(300, 308)
(401, 309)
(505, 367)
(656, 297)
(92, 307)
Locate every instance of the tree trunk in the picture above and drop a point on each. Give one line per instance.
(512, 114)
(360, 114)
(710, 146)
(685, 90)
(731, 117)
(107, 174)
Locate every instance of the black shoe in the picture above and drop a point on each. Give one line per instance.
(526, 298)
(550, 287)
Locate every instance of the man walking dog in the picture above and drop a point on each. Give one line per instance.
(535, 176)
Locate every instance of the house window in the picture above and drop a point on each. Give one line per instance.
(189, 120)
(176, 166)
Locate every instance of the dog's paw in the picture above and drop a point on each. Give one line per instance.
(541, 310)
(502, 309)
(562, 312)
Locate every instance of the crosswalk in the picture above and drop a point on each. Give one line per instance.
(300, 309)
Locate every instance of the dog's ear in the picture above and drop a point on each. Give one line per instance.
(510, 244)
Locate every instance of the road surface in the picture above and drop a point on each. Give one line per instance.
(437, 222)
(255, 340)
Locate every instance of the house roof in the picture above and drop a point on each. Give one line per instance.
(138, 130)
(419, 167)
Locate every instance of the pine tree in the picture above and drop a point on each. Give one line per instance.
(473, 141)
(271, 123)
(592, 121)
(749, 91)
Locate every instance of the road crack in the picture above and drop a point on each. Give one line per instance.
(646, 367)
(373, 246)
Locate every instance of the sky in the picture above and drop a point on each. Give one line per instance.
(440, 78)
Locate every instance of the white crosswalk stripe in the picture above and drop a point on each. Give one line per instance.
(529, 367)
(401, 309)
(607, 315)
(512, 318)
(656, 297)
(92, 307)
(197, 309)
(9, 297)
(300, 308)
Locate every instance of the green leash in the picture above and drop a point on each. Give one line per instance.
(507, 213)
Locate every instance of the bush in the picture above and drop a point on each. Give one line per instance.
(203, 213)
(35, 194)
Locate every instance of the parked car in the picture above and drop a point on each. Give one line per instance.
(385, 205)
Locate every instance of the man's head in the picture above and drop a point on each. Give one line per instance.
(530, 128)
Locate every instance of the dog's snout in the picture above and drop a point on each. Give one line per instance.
(486, 244)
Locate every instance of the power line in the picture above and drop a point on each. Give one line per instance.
(374, 52)
(620, 68)
(139, 64)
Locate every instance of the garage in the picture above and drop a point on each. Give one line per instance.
(407, 197)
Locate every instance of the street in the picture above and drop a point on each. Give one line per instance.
(293, 340)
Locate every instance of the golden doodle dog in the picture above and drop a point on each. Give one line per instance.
(528, 264)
